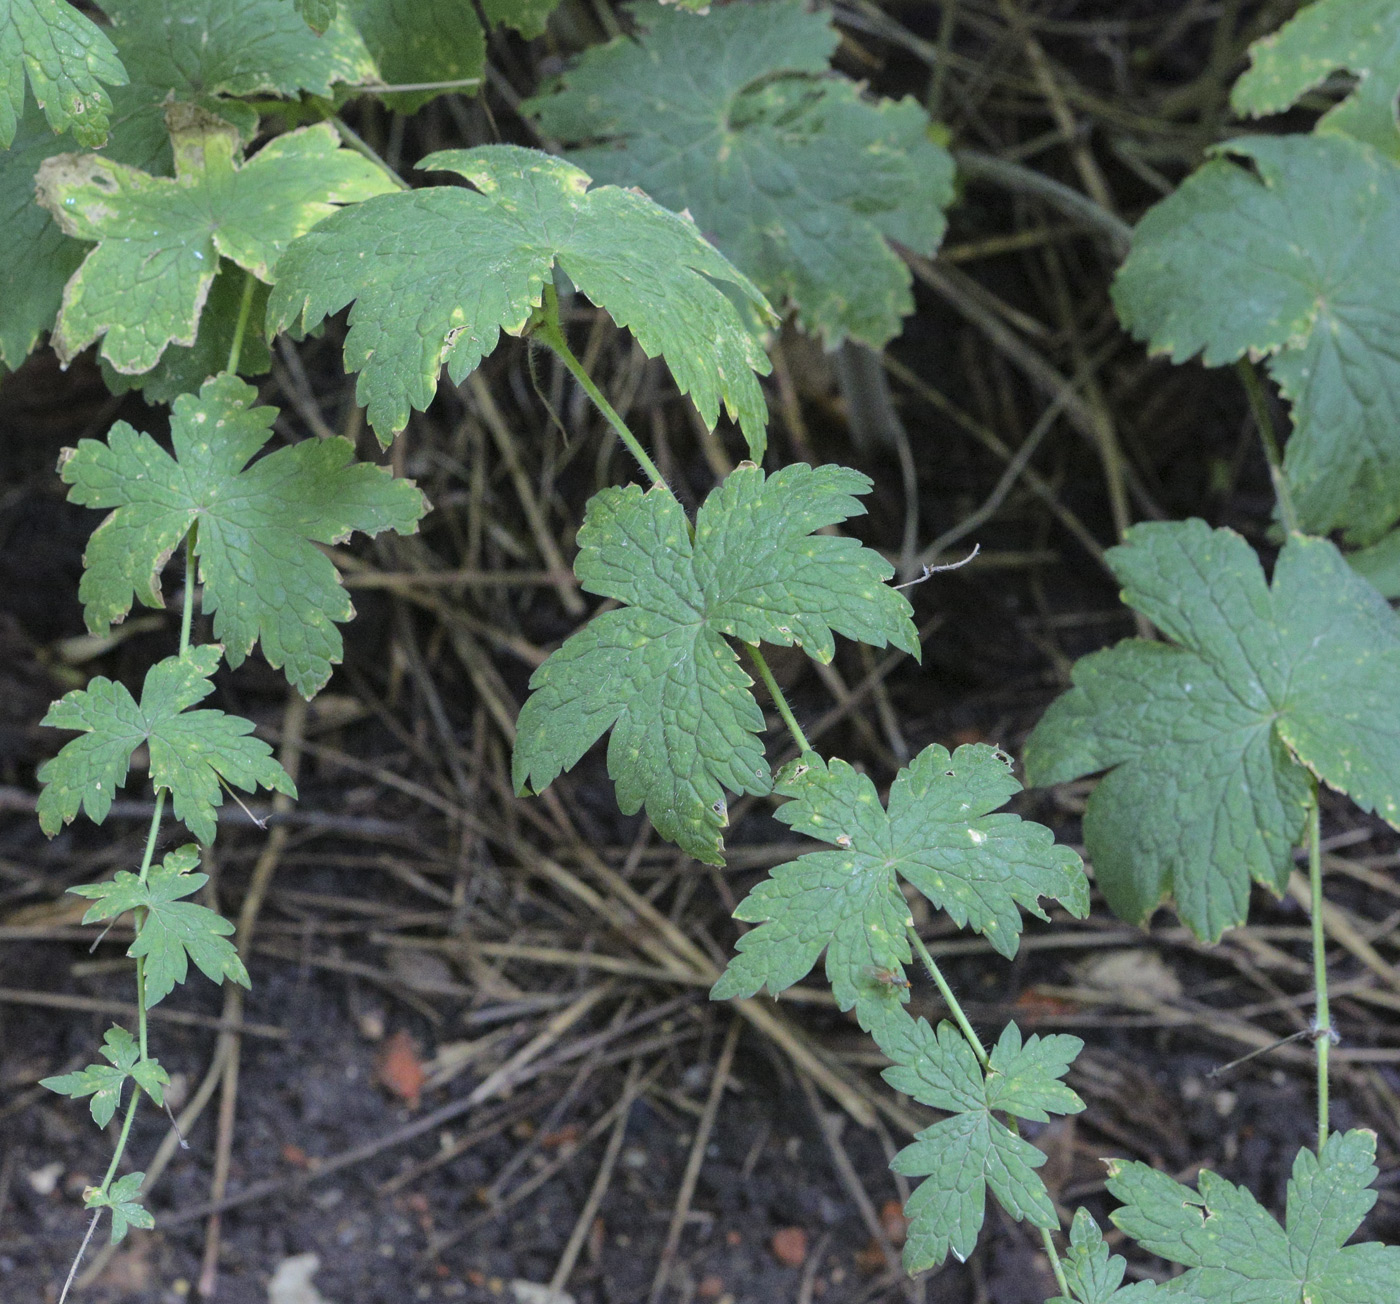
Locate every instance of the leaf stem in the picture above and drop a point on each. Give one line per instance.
(1322, 1017)
(187, 612)
(362, 148)
(779, 700)
(1268, 437)
(549, 331)
(1053, 1254)
(245, 309)
(954, 1008)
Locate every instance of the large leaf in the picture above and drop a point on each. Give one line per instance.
(263, 577)
(1282, 262)
(159, 240)
(104, 1082)
(437, 274)
(191, 752)
(1206, 739)
(1358, 36)
(939, 835)
(66, 58)
(736, 117)
(1236, 1251)
(658, 671)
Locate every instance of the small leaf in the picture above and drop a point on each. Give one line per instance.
(1280, 262)
(104, 1082)
(67, 58)
(171, 930)
(1236, 1251)
(159, 240)
(735, 118)
(258, 526)
(1094, 1275)
(190, 751)
(491, 250)
(972, 1150)
(1357, 36)
(122, 1199)
(658, 671)
(1206, 741)
(939, 835)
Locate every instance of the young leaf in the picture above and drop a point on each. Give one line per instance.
(317, 14)
(1202, 739)
(1360, 36)
(173, 931)
(491, 251)
(938, 835)
(122, 1199)
(190, 751)
(1282, 264)
(159, 240)
(964, 1155)
(264, 578)
(67, 57)
(104, 1082)
(658, 671)
(736, 117)
(1094, 1275)
(1236, 1251)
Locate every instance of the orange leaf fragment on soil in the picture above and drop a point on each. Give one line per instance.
(789, 1246)
(399, 1069)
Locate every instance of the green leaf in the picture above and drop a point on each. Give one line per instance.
(658, 671)
(172, 931)
(1093, 1274)
(190, 751)
(1202, 738)
(1281, 262)
(257, 526)
(972, 1150)
(104, 1082)
(1358, 36)
(159, 240)
(1236, 1251)
(491, 252)
(317, 14)
(1380, 563)
(67, 58)
(736, 117)
(121, 1199)
(939, 835)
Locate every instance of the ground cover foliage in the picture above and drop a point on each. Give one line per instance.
(723, 206)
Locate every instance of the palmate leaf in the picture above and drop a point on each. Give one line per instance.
(658, 671)
(67, 59)
(972, 1150)
(190, 751)
(1282, 264)
(1206, 740)
(159, 240)
(257, 525)
(173, 931)
(1359, 36)
(1095, 1276)
(104, 1082)
(938, 835)
(736, 117)
(1236, 1251)
(122, 1199)
(489, 253)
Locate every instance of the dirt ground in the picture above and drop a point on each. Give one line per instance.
(478, 1049)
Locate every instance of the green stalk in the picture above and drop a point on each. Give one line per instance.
(1322, 1018)
(1053, 1254)
(548, 331)
(779, 700)
(240, 329)
(954, 1008)
(1268, 437)
(187, 614)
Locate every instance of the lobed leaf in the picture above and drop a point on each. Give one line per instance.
(191, 752)
(658, 671)
(104, 1082)
(939, 835)
(490, 251)
(1234, 1248)
(735, 117)
(1280, 262)
(1095, 1276)
(257, 526)
(1208, 741)
(67, 59)
(121, 1198)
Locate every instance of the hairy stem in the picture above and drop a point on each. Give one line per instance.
(548, 331)
(779, 700)
(1268, 437)
(954, 1008)
(245, 308)
(1322, 1018)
